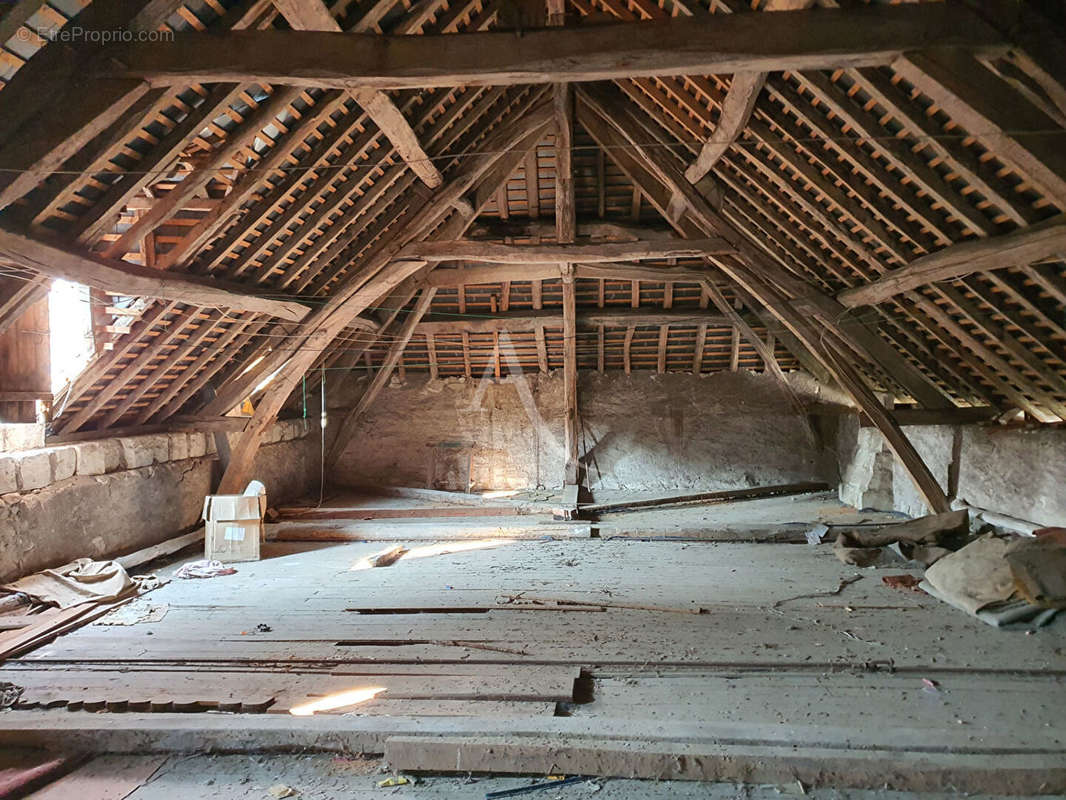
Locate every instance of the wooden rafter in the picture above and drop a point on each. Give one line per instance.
(32, 144)
(993, 111)
(399, 344)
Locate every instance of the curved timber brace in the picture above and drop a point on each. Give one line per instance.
(660, 178)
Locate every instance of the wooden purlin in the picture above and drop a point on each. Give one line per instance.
(1044, 241)
(120, 276)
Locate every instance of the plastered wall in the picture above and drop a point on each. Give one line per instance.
(643, 432)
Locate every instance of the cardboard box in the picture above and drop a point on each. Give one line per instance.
(233, 526)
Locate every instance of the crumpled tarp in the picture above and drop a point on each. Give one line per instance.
(82, 580)
(974, 577)
(1038, 567)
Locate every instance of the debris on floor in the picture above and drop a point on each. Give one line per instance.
(1038, 567)
(281, 790)
(844, 583)
(9, 694)
(136, 613)
(203, 569)
(551, 783)
(79, 581)
(388, 557)
(923, 540)
(980, 579)
(815, 534)
(902, 582)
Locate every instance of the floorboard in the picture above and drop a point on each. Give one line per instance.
(862, 679)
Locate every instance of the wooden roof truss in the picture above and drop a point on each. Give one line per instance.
(873, 193)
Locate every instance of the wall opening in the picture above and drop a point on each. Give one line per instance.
(70, 321)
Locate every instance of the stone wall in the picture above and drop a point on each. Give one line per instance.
(644, 432)
(1012, 471)
(113, 496)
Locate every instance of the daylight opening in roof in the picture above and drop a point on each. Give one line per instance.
(70, 320)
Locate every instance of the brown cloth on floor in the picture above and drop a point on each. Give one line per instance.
(976, 576)
(80, 581)
(924, 540)
(1038, 567)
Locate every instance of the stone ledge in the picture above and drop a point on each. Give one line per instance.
(30, 470)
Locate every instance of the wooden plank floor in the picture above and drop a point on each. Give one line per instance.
(773, 662)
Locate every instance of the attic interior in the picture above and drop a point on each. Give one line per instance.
(338, 339)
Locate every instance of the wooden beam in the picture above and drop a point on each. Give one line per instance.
(588, 253)
(993, 112)
(403, 336)
(953, 416)
(585, 319)
(1040, 242)
(565, 210)
(861, 36)
(312, 15)
(472, 276)
(740, 325)
(571, 424)
(137, 281)
(737, 106)
(598, 229)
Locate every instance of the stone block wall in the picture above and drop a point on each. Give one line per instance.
(112, 496)
(1019, 472)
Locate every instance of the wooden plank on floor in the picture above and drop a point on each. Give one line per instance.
(753, 762)
(351, 531)
(253, 691)
(726, 496)
(359, 512)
